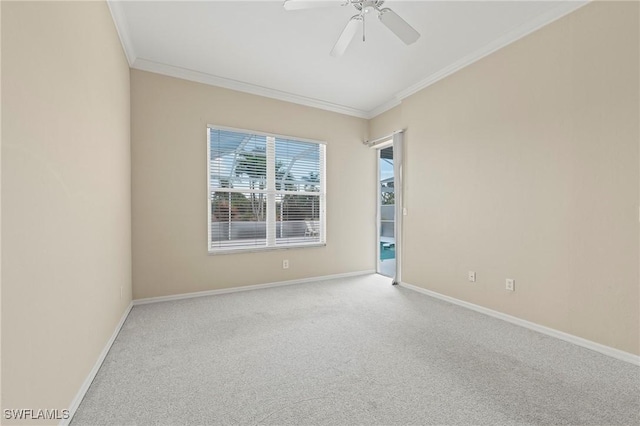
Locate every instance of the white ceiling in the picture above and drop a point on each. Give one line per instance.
(258, 47)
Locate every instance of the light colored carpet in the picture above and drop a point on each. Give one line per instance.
(346, 352)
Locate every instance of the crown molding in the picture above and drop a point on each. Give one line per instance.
(226, 83)
(186, 74)
(119, 19)
(392, 103)
(491, 47)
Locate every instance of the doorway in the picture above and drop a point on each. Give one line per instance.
(386, 211)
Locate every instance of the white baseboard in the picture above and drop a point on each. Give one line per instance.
(247, 288)
(92, 374)
(606, 350)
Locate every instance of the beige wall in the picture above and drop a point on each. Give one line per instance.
(169, 183)
(524, 165)
(387, 123)
(66, 242)
(0, 211)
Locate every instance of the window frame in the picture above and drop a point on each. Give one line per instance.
(322, 194)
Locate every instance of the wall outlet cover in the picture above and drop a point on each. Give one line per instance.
(510, 284)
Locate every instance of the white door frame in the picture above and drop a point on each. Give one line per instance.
(398, 184)
(396, 140)
(379, 147)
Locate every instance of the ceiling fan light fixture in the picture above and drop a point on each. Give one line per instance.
(388, 17)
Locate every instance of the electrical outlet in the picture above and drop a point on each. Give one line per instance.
(472, 276)
(510, 284)
(285, 264)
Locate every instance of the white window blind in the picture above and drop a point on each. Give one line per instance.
(265, 191)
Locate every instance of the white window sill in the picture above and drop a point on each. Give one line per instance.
(214, 252)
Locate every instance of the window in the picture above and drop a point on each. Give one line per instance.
(265, 191)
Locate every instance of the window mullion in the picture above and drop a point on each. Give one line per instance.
(271, 188)
(323, 193)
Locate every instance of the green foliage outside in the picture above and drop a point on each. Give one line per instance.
(388, 197)
(238, 207)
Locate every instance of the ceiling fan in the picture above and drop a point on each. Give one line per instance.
(388, 17)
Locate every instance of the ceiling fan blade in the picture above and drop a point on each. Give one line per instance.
(398, 26)
(349, 32)
(311, 4)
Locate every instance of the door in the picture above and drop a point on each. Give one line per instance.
(386, 212)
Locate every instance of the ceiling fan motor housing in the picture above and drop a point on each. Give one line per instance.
(368, 5)
(387, 17)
